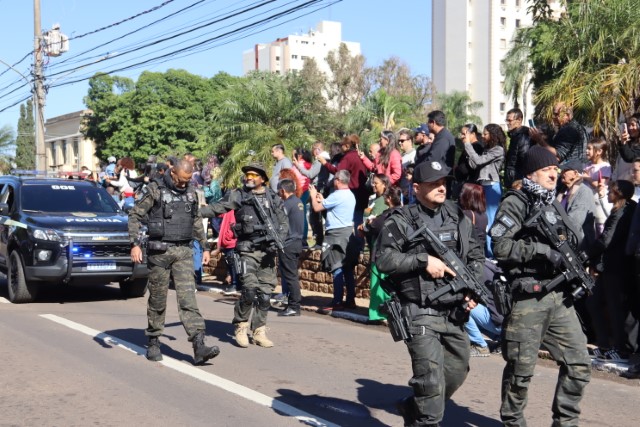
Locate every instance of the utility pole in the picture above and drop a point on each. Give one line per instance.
(38, 89)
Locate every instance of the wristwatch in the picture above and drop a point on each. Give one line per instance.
(135, 242)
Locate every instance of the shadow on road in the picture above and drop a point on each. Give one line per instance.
(338, 411)
(374, 394)
(69, 293)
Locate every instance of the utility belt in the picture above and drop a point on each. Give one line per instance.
(161, 246)
(456, 314)
(527, 287)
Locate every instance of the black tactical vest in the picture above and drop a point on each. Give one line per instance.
(417, 288)
(171, 220)
(249, 225)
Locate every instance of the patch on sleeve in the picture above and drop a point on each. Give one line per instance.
(497, 230)
(507, 221)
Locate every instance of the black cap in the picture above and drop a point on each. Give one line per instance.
(572, 165)
(256, 167)
(422, 129)
(430, 172)
(537, 157)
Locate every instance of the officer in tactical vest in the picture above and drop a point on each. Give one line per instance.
(538, 316)
(439, 346)
(170, 206)
(261, 227)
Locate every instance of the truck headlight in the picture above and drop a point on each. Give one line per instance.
(46, 234)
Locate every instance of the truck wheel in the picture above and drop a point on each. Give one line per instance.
(133, 288)
(20, 291)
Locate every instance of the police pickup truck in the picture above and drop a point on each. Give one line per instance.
(57, 231)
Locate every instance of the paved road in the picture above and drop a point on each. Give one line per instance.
(77, 358)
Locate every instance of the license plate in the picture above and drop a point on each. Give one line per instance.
(102, 266)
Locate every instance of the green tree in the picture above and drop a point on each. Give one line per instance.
(26, 141)
(347, 84)
(459, 110)
(6, 148)
(258, 111)
(588, 58)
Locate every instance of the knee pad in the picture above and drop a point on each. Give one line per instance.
(263, 301)
(248, 296)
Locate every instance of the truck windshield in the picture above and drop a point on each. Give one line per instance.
(67, 198)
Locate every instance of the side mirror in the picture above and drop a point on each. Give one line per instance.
(4, 209)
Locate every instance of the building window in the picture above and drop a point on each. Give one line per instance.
(517, 23)
(503, 43)
(470, 24)
(502, 107)
(469, 45)
(76, 150)
(503, 21)
(517, 3)
(294, 56)
(303, 57)
(304, 42)
(277, 58)
(503, 2)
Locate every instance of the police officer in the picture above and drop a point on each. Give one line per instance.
(538, 317)
(174, 222)
(439, 347)
(256, 248)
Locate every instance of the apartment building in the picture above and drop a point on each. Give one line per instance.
(288, 53)
(469, 39)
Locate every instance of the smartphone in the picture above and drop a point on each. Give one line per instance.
(532, 124)
(623, 128)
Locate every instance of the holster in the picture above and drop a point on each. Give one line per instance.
(157, 245)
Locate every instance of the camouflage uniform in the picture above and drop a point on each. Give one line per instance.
(257, 253)
(176, 261)
(536, 317)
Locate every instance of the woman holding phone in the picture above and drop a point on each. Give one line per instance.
(628, 148)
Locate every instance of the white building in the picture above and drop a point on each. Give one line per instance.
(469, 39)
(288, 53)
(66, 148)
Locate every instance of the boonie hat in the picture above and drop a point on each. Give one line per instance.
(256, 167)
(430, 172)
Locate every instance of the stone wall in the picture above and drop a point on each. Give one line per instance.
(312, 277)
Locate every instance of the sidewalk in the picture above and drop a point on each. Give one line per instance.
(313, 301)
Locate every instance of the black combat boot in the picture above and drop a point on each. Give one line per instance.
(153, 350)
(202, 353)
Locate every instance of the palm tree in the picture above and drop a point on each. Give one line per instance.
(516, 69)
(7, 148)
(258, 112)
(459, 109)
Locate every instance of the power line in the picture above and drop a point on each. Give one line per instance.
(14, 104)
(191, 47)
(123, 21)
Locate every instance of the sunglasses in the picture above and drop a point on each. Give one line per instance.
(403, 140)
(252, 175)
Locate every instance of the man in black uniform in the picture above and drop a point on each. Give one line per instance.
(256, 247)
(439, 346)
(289, 257)
(174, 222)
(537, 316)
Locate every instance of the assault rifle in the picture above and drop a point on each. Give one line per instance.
(572, 263)
(464, 278)
(272, 235)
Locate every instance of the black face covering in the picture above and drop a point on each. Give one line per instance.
(168, 181)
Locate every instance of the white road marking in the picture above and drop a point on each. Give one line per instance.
(4, 300)
(198, 374)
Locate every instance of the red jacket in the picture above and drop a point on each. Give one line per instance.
(393, 169)
(227, 239)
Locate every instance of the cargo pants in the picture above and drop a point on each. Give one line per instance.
(550, 319)
(440, 363)
(258, 282)
(176, 261)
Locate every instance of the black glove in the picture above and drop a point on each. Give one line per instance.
(554, 258)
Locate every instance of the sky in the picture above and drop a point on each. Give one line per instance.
(384, 28)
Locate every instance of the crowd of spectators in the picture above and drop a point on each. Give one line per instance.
(346, 194)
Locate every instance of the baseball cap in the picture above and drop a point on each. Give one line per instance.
(430, 172)
(111, 159)
(572, 165)
(422, 129)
